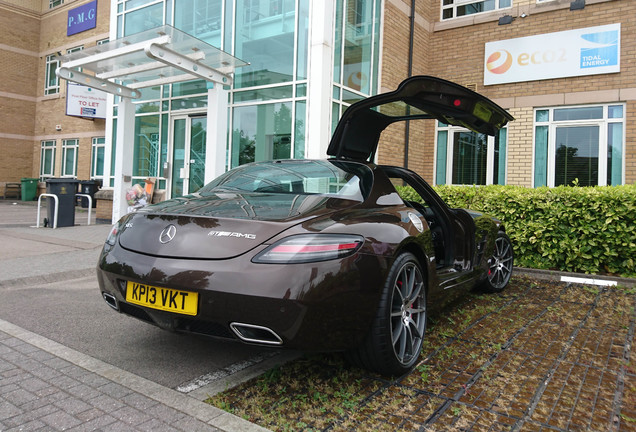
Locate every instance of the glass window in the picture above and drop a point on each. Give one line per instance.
(441, 157)
(131, 4)
(303, 39)
(200, 18)
(458, 8)
(189, 103)
(143, 19)
(51, 81)
(615, 142)
(113, 151)
(355, 45)
(541, 156)
(189, 88)
(583, 113)
(261, 132)
(464, 157)
(265, 33)
(75, 49)
(615, 111)
(150, 93)
(337, 46)
(576, 155)
(147, 146)
(299, 133)
(265, 94)
(469, 158)
(499, 157)
(147, 107)
(165, 120)
(542, 115)
(301, 90)
(69, 157)
(579, 146)
(54, 3)
(97, 158)
(349, 97)
(47, 159)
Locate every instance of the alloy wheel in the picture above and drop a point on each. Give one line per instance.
(408, 313)
(500, 265)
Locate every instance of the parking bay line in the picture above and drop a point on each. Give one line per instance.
(588, 281)
(230, 376)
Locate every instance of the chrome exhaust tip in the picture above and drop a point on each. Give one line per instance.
(111, 300)
(255, 334)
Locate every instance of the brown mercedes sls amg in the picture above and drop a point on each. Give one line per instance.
(315, 255)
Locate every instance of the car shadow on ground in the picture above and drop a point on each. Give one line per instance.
(540, 356)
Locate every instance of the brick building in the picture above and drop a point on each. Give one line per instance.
(37, 138)
(309, 60)
(454, 48)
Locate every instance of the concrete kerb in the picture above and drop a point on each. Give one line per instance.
(188, 405)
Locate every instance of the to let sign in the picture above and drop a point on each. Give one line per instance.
(82, 18)
(82, 101)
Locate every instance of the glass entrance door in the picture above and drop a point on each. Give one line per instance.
(188, 154)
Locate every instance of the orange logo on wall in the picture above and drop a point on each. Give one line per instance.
(499, 62)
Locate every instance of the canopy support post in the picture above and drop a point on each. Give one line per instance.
(125, 139)
(217, 131)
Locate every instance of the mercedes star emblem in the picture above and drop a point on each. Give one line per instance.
(167, 234)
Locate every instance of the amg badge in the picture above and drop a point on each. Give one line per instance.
(232, 234)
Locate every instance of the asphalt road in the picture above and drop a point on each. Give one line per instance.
(48, 286)
(73, 313)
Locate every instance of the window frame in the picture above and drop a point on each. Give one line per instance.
(96, 144)
(603, 144)
(52, 63)
(491, 151)
(74, 50)
(459, 3)
(68, 145)
(47, 146)
(55, 3)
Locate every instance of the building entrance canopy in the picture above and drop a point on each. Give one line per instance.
(162, 55)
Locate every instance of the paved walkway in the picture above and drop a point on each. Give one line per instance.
(46, 386)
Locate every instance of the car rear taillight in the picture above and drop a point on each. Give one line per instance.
(115, 230)
(112, 235)
(306, 248)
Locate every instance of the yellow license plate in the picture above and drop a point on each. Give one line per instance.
(171, 300)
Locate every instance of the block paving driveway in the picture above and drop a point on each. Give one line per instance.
(542, 356)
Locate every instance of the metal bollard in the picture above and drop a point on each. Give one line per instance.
(90, 205)
(37, 222)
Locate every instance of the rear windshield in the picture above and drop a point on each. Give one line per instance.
(348, 180)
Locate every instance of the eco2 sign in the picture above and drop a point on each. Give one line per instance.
(82, 18)
(588, 51)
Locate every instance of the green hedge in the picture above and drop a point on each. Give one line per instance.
(577, 229)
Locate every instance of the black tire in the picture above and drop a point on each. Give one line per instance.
(500, 264)
(394, 343)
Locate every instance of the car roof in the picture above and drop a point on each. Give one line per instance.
(420, 97)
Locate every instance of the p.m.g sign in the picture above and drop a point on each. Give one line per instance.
(82, 18)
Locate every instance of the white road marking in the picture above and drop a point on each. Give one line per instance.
(588, 281)
(217, 375)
